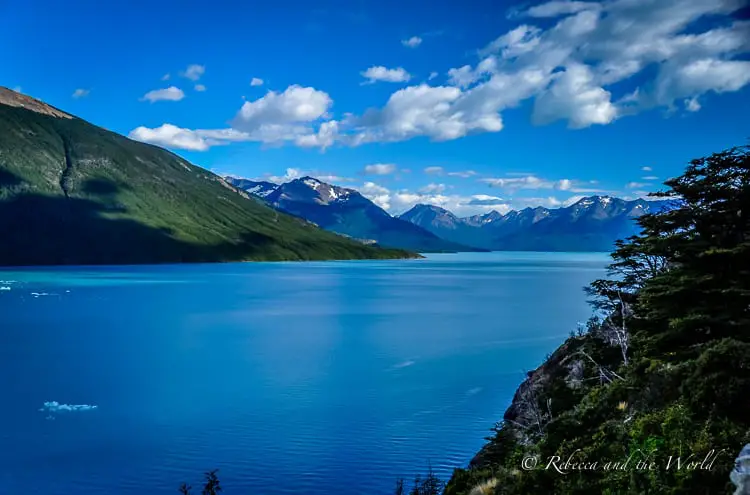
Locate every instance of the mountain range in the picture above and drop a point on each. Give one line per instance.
(347, 212)
(75, 193)
(591, 224)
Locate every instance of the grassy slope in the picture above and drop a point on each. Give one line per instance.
(129, 202)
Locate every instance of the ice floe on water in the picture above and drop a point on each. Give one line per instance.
(473, 391)
(404, 364)
(54, 407)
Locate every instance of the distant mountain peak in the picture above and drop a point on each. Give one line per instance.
(20, 100)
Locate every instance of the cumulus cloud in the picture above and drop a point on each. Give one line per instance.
(574, 60)
(434, 170)
(171, 136)
(486, 200)
(399, 201)
(200, 87)
(433, 188)
(692, 104)
(193, 72)
(412, 42)
(378, 194)
(324, 137)
(570, 68)
(294, 115)
(256, 81)
(81, 93)
(533, 182)
(574, 96)
(171, 93)
(380, 73)
(294, 105)
(380, 169)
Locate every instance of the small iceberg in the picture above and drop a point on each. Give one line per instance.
(404, 364)
(473, 391)
(42, 294)
(55, 407)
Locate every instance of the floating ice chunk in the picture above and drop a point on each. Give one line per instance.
(473, 391)
(405, 364)
(55, 407)
(42, 294)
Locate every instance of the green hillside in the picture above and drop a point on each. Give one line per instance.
(74, 193)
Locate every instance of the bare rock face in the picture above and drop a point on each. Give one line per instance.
(740, 475)
(15, 99)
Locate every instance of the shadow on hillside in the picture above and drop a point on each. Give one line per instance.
(102, 187)
(54, 230)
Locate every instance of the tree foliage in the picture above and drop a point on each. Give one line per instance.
(673, 328)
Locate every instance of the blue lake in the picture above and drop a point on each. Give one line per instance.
(315, 378)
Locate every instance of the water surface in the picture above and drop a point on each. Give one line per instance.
(313, 378)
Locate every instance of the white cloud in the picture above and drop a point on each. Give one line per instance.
(486, 200)
(646, 169)
(433, 188)
(380, 73)
(573, 96)
(692, 104)
(256, 81)
(296, 104)
(324, 137)
(291, 174)
(650, 177)
(272, 119)
(171, 136)
(193, 72)
(570, 68)
(297, 173)
(171, 93)
(636, 185)
(81, 93)
(200, 87)
(380, 169)
(412, 42)
(434, 170)
(379, 195)
(532, 182)
(560, 8)
(432, 76)
(464, 174)
(165, 77)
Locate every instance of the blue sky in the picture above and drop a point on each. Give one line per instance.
(472, 105)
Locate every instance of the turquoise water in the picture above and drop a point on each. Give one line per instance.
(315, 378)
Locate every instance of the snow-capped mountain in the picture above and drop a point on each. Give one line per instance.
(346, 211)
(256, 188)
(590, 224)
